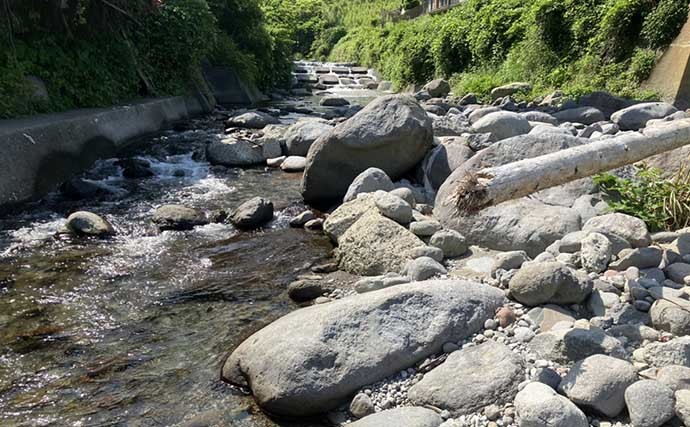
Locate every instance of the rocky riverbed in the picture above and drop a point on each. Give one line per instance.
(376, 303)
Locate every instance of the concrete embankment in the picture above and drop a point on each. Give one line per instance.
(40, 152)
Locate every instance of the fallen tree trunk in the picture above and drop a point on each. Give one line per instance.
(491, 186)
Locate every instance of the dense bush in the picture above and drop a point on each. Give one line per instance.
(664, 22)
(663, 204)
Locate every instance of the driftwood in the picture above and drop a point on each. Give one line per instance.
(491, 186)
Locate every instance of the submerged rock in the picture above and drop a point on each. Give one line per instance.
(312, 359)
(252, 214)
(178, 217)
(88, 224)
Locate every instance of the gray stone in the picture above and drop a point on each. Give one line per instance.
(630, 228)
(673, 352)
(452, 243)
(426, 251)
(683, 406)
(437, 88)
(253, 120)
(548, 377)
(406, 194)
(634, 333)
(678, 272)
(539, 283)
(449, 155)
(293, 164)
(471, 379)
(538, 116)
(584, 115)
(596, 252)
(302, 219)
(405, 416)
(234, 152)
(502, 125)
(509, 261)
(300, 136)
(393, 207)
(369, 181)
(649, 257)
(392, 133)
(375, 245)
(310, 360)
(589, 206)
(538, 405)
(361, 406)
(570, 345)
(478, 113)
(333, 101)
(252, 214)
(88, 224)
(424, 268)
(510, 89)
(636, 116)
(599, 383)
(675, 377)
(340, 220)
(425, 228)
(650, 403)
(178, 217)
(307, 290)
(671, 315)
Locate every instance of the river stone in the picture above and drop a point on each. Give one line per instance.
(252, 120)
(675, 377)
(293, 164)
(361, 406)
(510, 89)
(595, 252)
(671, 316)
(88, 224)
(538, 405)
(375, 245)
(369, 181)
(649, 257)
(680, 245)
(571, 345)
(312, 359)
(406, 194)
(599, 383)
(636, 116)
(575, 290)
(523, 224)
(424, 268)
(405, 416)
(392, 133)
(541, 117)
(673, 352)
(234, 152)
(452, 243)
(450, 154)
(502, 125)
(437, 88)
(630, 228)
(471, 379)
(393, 207)
(347, 214)
(650, 403)
(542, 282)
(333, 101)
(426, 251)
(300, 136)
(508, 261)
(425, 228)
(683, 406)
(252, 214)
(178, 217)
(307, 290)
(678, 272)
(584, 115)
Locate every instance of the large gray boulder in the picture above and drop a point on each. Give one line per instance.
(524, 224)
(471, 379)
(449, 155)
(599, 383)
(636, 116)
(571, 345)
(300, 136)
(312, 359)
(538, 405)
(252, 120)
(234, 152)
(347, 214)
(502, 125)
(538, 283)
(405, 416)
(437, 88)
(252, 214)
(375, 245)
(178, 217)
(88, 224)
(630, 228)
(392, 133)
(584, 115)
(650, 403)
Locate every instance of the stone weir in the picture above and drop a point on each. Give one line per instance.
(322, 76)
(41, 152)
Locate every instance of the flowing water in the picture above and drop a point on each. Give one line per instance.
(133, 330)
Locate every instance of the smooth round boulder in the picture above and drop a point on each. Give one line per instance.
(369, 181)
(537, 283)
(636, 116)
(88, 224)
(361, 406)
(630, 228)
(252, 214)
(671, 316)
(333, 101)
(452, 243)
(393, 207)
(538, 405)
(599, 383)
(178, 217)
(437, 88)
(449, 155)
(300, 136)
(234, 152)
(650, 403)
(392, 133)
(404, 416)
(252, 120)
(293, 164)
(425, 228)
(502, 125)
(584, 115)
(424, 268)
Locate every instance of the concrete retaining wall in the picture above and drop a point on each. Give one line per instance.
(40, 152)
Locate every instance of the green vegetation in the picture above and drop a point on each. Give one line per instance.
(574, 45)
(663, 204)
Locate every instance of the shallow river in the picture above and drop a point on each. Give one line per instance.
(133, 330)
